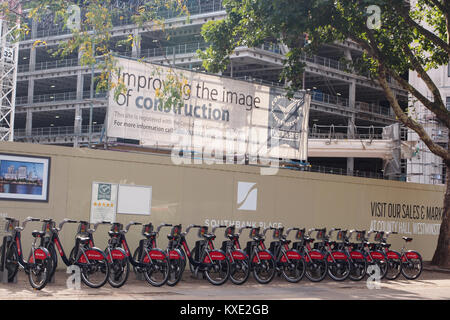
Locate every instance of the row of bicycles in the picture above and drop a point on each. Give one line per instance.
(314, 258)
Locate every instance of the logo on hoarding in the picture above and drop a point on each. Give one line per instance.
(285, 119)
(247, 196)
(104, 192)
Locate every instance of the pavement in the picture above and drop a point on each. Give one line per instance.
(430, 285)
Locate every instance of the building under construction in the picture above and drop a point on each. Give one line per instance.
(350, 119)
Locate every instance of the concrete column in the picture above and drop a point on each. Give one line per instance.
(351, 135)
(351, 122)
(352, 94)
(77, 125)
(136, 48)
(30, 90)
(34, 25)
(32, 62)
(29, 122)
(80, 82)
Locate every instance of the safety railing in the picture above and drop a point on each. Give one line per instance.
(64, 131)
(373, 108)
(56, 64)
(345, 132)
(54, 97)
(329, 99)
(171, 50)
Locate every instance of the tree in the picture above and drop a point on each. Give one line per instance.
(91, 24)
(396, 36)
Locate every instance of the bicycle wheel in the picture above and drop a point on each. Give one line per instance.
(39, 272)
(357, 269)
(412, 265)
(339, 269)
(293, 270)
(394, 265)
(157, 272)
(264, 270)
(136, 257)
(95, 273)
(316, 269)
(239, 271)
(176, 269)
(118, 272)
(380, 262)
(54, 263)
(218, 271)
(11, 261)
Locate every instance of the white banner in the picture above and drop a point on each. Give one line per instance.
(216, 114)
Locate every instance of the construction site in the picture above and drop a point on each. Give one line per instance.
(352, 129)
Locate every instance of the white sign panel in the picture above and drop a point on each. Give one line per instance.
(134, 200)
(247, 196)
(226, 115)
(103, 202)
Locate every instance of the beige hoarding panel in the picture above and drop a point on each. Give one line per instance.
(208, 194)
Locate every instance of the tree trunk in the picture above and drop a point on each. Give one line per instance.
(442, 254)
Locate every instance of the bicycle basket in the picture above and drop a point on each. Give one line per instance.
(48, 226)
(300, 234)
(254, 232)
(175, 231)
(147, 228)
(321, 234)
(116, 227)
(379, 236)
(202, 231)
(10, 225)
(83, 227)
(360, 235)
(341, 235)
(229, 231)
(277, 233)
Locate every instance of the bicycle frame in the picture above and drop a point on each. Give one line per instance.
(15, 239)
(208, 254)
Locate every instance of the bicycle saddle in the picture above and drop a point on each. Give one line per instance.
(83, 239)
(37, 233)
(209, 236)
(407, 239)
(112, 233)
(285, 241)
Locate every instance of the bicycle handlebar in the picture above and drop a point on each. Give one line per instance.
(242, 228)
(268, 228)
(190, 227)
(24, 222)
(163, 225)
(217, 227)
(131, 223)
(97, 224)
(66, 220)
(332, 230)
(290, 229)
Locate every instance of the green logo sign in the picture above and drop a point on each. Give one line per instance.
(104, 192)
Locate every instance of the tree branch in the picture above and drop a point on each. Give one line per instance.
(408, 121)
(438, 106)
(425, 32)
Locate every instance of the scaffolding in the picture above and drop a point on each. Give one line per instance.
(425, 166)
(9, 51)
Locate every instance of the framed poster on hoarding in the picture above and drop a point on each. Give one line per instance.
(24, 177)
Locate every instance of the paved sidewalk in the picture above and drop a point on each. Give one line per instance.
(431, 285)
